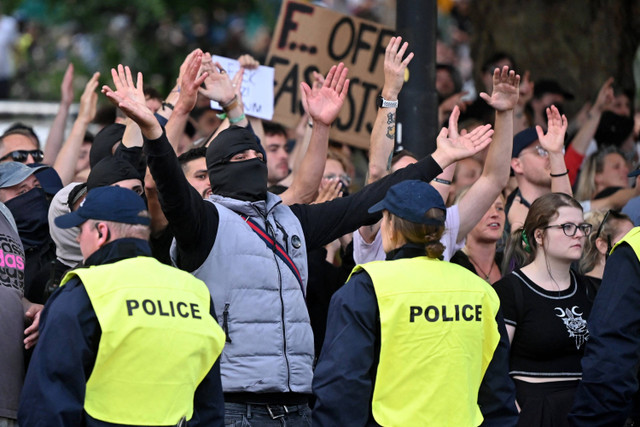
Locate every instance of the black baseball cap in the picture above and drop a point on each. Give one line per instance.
(522, 140)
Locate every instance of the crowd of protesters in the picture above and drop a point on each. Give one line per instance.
(186, 266)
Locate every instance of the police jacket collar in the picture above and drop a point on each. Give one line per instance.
(409, 250)
(118, 250)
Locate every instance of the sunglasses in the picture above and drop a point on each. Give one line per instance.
(22, 155)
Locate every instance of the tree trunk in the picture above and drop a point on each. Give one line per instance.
(579, 43)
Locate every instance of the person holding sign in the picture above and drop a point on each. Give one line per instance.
(410, 339)
(251, 250)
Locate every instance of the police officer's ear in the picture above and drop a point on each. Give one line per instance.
(104, 234)
(602, 246)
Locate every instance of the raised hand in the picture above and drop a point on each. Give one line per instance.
(329, 189)
(394, 67)
(248, 62)
(553, 140)
(66, 88)
(506, 89)
(323, 104)
(218, 85)
(185, 64)
(89, 99)
(129, 97)
(451, 148)
(605, 96)
(190, 81)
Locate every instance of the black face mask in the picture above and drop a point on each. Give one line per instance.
(244, 180)
(30, 212)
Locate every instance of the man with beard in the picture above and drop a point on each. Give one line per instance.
(250, 249)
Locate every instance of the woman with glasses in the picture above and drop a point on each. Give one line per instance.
(545, 308)
(611, 227)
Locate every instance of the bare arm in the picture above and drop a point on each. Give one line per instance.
(56, 132)
(67, 159)
(323, 105)
(495, 174)
(553, 142)
(581, 141)
(384, 128)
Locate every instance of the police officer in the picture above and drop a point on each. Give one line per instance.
(124, 340)
(607, 394)
(410, 339)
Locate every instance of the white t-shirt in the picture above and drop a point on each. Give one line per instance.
(364, 252)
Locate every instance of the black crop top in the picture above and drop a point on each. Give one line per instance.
(551, 326)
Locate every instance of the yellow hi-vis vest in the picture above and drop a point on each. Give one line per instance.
(158, 341)
(632, 238)
(438, 334)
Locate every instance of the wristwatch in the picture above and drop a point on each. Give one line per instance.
(383, 103)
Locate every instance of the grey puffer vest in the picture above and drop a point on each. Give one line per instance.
(258, 300)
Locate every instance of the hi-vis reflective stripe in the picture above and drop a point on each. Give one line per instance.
(279, 251)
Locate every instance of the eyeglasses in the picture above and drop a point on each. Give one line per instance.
(539, 151)
(344, 178)
(22, 155)
(570, 228)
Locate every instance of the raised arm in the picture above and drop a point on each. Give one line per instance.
(577, 148)
(189, 84)
(323, 105)
(67, 159)
(56, 132)
(193, 220)
(553, 142)
(303, 137)
(384, 127)
(495, 174)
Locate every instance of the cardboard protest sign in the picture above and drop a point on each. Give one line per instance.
(309, 38)
(257, 88)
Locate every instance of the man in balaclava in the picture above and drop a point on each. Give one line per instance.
(21, 192)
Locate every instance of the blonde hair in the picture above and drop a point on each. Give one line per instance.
(606, 231)
(586, 186)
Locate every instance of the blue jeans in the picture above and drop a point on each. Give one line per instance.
(250, 415)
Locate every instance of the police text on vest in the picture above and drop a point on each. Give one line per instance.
(172, 308)
(445, 313)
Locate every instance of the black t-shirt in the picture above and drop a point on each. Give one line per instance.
(551, 326)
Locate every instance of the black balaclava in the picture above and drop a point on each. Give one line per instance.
(30, 211)
(243, 180)
(104, 141)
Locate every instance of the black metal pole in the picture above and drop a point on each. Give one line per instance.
(418, 102)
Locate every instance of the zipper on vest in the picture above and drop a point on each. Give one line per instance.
(225, 322)
(270, 229)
